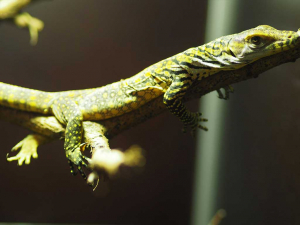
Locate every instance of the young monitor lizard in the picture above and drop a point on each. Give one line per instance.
(170, 77)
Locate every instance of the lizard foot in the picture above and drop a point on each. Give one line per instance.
(28, 148)
(194, 124)
(228, 89)
(34, 25)
(76, 159)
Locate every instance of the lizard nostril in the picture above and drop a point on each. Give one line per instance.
(289, 36)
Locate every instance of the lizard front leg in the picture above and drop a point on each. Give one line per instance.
(172, 99)
(68, 112)
(28, 148)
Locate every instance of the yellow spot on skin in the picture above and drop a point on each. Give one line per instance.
(148, 96)
(148, 74)
(114, 111)
(32, 97)
(71, 94)
(98, 116)
(163, 85)
(137, 80)
(10, 98)
(32, 104)
(127, 100)
(111, 105)
(22, 101)
(141, 93)
(134, 105)
(95, 108)
(104, 95)
(120, 93)
(158, 70)
(157, 91)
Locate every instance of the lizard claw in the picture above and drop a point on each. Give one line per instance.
(195, 124)
(76, 159)
(228, 89)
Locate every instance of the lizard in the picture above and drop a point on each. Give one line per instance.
(171, 77)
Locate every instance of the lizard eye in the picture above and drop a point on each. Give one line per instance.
(256, 40)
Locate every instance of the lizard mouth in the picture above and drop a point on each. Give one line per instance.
(228, 47)
(231, 53)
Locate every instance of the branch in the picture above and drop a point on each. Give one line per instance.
(97, 132)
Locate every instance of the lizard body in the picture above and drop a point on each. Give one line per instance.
(170, 77)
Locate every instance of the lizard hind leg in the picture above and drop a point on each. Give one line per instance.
(68, 112)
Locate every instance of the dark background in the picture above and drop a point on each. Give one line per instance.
(96, 42)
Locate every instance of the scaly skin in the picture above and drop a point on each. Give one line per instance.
(170, 77)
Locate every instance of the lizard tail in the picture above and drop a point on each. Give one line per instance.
(25, 99)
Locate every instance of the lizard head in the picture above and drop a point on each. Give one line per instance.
(259, 42)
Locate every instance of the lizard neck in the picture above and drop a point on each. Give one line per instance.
(205, 60)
